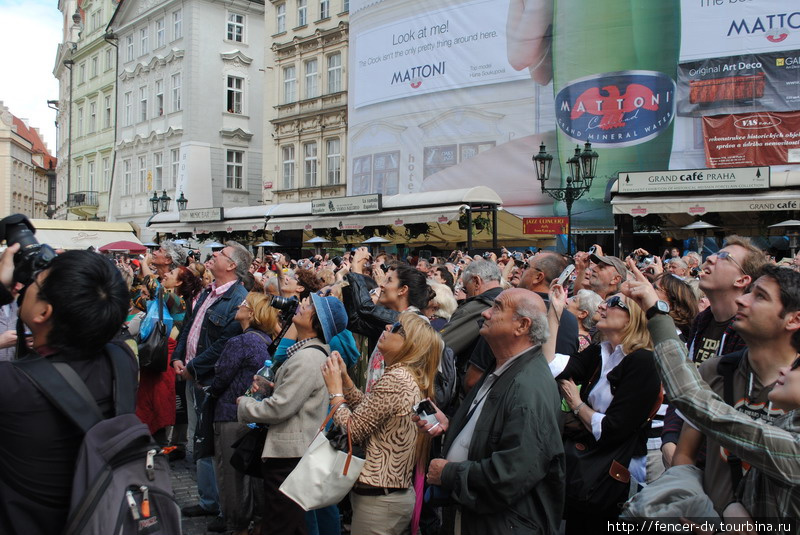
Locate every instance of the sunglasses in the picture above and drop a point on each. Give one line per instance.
(725, 254)
(397, 328)
(245, 304)
(616, 301)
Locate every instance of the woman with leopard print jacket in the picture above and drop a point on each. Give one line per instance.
(383, 497)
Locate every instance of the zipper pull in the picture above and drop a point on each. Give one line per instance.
(145, 501)
(150, 464)
(132, 505)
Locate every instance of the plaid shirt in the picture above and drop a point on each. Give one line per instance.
(297, 347)
(772, 486)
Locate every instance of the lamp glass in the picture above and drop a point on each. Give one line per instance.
(165, 202)
(154, 202)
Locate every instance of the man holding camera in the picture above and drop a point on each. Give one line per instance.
(73, 305)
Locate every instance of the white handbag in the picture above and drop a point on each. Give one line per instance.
(324, 474)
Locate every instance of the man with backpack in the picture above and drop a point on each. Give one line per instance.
(73, 307)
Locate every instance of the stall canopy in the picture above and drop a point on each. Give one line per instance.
(772, 200)
(65, 234)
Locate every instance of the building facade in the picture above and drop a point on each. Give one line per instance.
(306, 104)
(189, 115)
(27, 170)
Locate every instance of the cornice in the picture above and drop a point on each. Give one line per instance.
(155, 61)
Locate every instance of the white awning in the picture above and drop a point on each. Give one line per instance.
(769, 201)
(82, 239)
(440, 214)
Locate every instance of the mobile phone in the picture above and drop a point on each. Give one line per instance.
(592, 249)
(565, 274)
(426, 411)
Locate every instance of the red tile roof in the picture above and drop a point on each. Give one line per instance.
(32, 135)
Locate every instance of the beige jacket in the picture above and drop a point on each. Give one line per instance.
(296, 408)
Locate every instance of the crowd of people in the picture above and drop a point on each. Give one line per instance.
(561, 385)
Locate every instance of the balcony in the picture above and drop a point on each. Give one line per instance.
(83, 203)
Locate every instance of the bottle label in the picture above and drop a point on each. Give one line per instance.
(616, 109)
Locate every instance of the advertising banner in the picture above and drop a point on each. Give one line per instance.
(736, 84)
(545, 225)
(752, 139)
(694, 180)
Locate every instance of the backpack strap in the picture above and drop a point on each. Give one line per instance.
(726, 367)
(125, 384)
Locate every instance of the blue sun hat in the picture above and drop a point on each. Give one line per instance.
(331, 314)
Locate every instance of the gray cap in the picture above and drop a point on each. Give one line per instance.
(618, 264)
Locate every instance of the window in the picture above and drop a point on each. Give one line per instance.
(158, 170)
(109, 59)
(334, 156)
(176, 91)
(126, 176)
(177, 24)
(289, 84)
(144, 38)
(280, 17)
(362, 175)
(90, 175)
(233, 169)
(79, 175)
(234, 103)
(235, 29)
(386, 173)
(94, 66)
(92, 117)
(80, 121)
(95, 18)
(346, 5)
(302, 12)
(107, 111)
(141, 183)
(127, 105)
(310, 165)
(129, 48)
(324, 9)
(311, 79)
(106, 174)
(143, 103)
(82, 73)
(335, 73)
(161, 33)
(159, 109)
(175, 164)
(288, 166)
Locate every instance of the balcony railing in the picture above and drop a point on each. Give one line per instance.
(82, 198)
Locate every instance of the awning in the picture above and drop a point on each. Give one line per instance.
(773, 200)
(441, 215)
(61, 234)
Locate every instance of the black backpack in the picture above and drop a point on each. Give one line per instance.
(122, 481)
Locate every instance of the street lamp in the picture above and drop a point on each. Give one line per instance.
(182, 202)
(165, 201)
(582, 170)
(154, 203)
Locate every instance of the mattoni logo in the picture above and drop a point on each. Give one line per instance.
(415, 75)
(616, 108)
(774, 27)
(758, 120)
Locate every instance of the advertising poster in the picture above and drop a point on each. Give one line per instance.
(752, 139)
(459, 93)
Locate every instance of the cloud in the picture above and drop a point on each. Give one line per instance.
(31, 32)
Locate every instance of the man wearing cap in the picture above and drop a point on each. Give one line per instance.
(606, 274)
(297, 406)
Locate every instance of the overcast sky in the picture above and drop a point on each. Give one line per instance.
(28, 41)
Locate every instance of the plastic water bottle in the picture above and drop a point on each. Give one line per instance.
(264, 390)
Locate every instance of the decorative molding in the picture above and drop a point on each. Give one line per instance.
(237, 133)
(236, 58)
(153, 136)
(155, 61)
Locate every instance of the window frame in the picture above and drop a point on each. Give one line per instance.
(302, 13)
(161, 33)
(334, 73)
(176, 91)
(333, 162)
(234, 170)
(234, 96)
(280, 18)
(310, 164)
(311, 78)
(232, 25)
(289, 96)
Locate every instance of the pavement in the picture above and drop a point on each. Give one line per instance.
(184, 485)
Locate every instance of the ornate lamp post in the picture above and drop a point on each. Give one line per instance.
(164, 201)
(582, 170)
(155, 203)
(182, 202)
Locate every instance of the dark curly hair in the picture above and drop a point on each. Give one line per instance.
(190, 286)
(308, 280)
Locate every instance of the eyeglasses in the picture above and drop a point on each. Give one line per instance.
(616, 301)
(397, 328)
(226, 256)
(725, 254)
(246, 304)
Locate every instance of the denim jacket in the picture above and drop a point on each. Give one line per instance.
(218, 327)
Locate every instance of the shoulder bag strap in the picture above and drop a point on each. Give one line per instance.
(124, 383)
(726, 367)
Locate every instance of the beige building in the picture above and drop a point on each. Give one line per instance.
(305, 101)
(27, 170)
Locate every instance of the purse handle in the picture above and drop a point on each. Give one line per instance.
(334, 408)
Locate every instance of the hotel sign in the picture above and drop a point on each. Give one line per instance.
(341, 205)
(694, 180)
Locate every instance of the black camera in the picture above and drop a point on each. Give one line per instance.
(32, 255)
(337, 261)
(287, 306)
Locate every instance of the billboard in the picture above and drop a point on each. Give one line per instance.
(458, 93)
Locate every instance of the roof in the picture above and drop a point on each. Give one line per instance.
(32, 136)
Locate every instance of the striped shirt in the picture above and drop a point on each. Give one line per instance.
(197, 322)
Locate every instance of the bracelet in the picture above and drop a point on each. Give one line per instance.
(577, 409)
(331, 396)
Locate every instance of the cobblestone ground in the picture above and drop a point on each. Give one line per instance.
(184, 483)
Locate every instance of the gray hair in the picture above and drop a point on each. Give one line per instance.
(175, 252)
(695, 258)
(588, 301)
(241, 256)
(539, 331)
(444, 299)
(488, 271)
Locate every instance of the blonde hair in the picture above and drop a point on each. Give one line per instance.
(444, 299)
(635, 335)
(265, 316)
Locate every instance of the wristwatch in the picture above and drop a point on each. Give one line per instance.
(661, 307)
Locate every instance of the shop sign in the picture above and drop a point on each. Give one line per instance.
(694, 180)
(341, 205)
(201, 214)
(545, 225)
